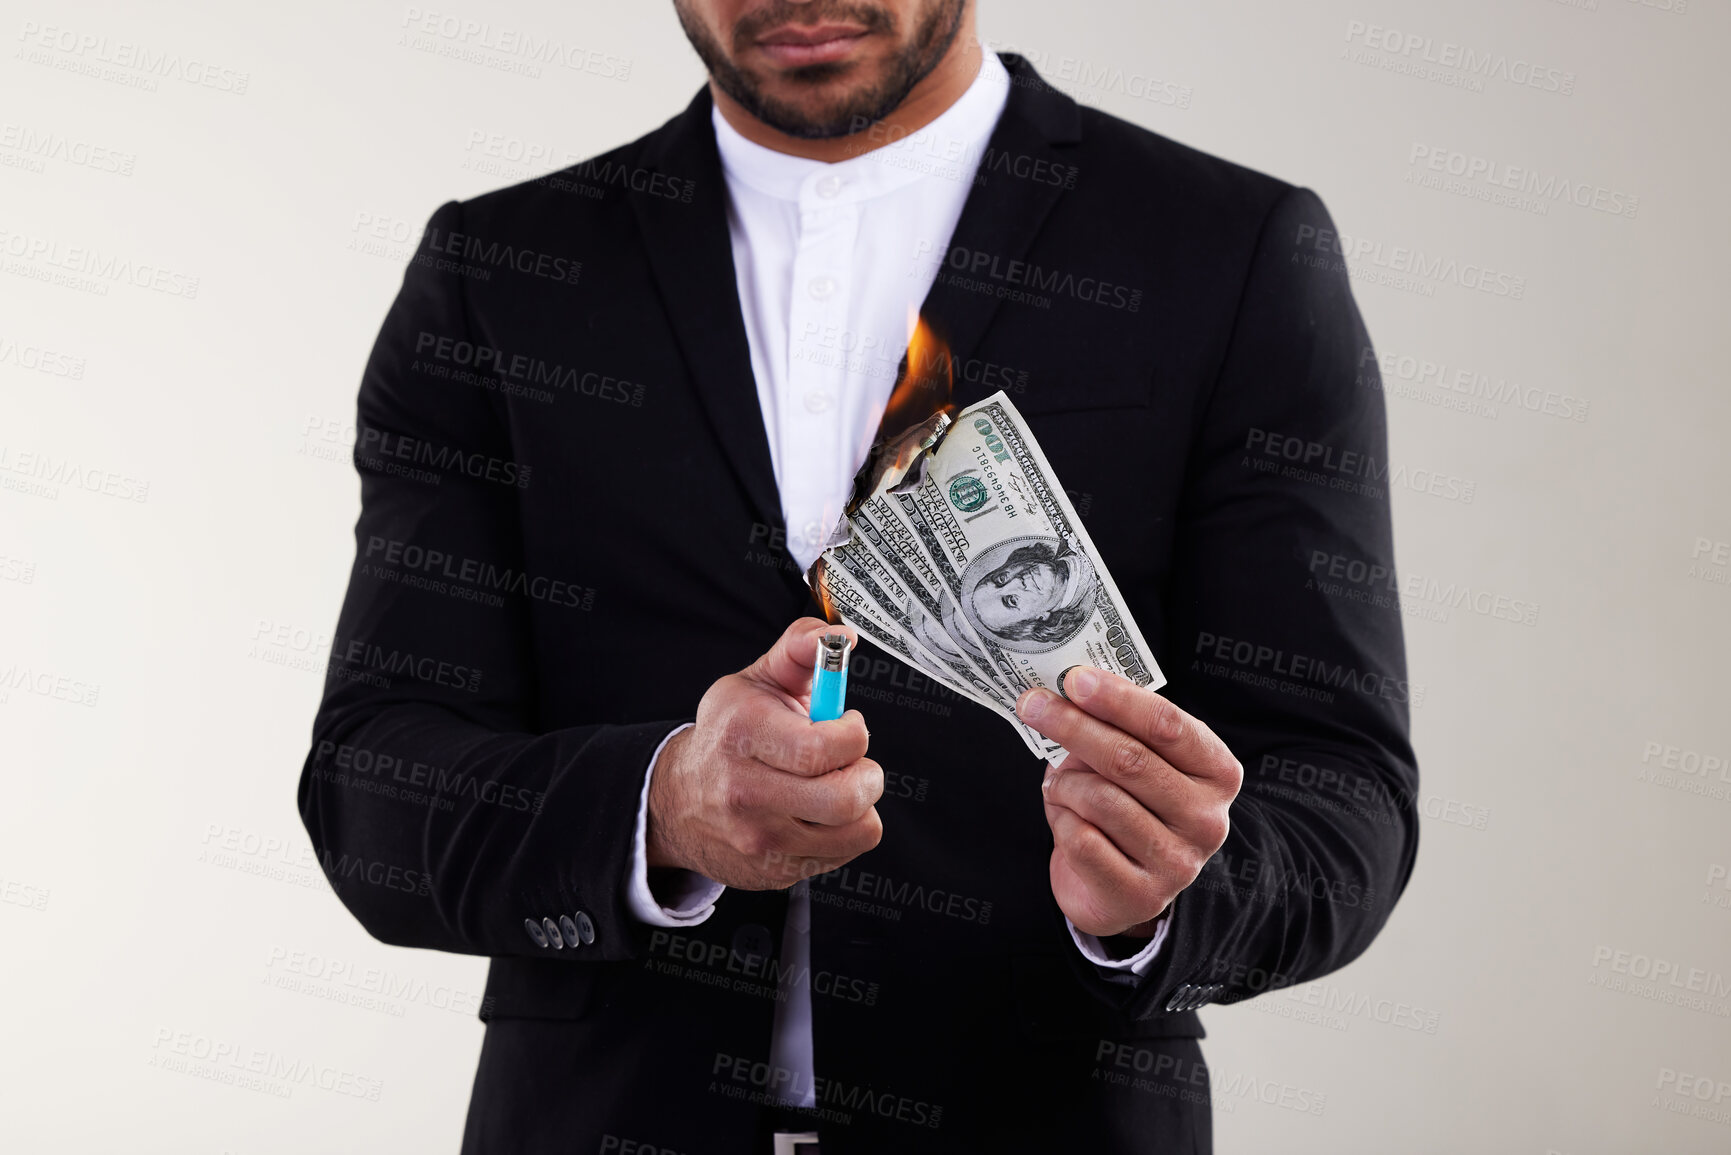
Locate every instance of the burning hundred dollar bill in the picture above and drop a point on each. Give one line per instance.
(960, 554)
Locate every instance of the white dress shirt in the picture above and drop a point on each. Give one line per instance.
(827, 259)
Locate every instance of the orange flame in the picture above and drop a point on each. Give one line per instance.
(820, 594)
(925, 387)
(927, 381)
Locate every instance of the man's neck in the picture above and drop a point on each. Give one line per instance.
(930, 99)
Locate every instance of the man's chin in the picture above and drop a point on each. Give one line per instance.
(814, 124)
(818, 109)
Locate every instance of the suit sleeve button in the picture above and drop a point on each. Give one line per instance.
(568, 930)
(553, 938)
(535, 931)
(585, 929)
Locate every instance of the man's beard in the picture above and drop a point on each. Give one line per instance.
(854, 111)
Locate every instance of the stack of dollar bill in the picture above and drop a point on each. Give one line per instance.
(961, 554)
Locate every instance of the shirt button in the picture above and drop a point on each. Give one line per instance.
(828, 187)
(816, 402)
(821, 288)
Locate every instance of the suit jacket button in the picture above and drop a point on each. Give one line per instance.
(535, 931)
(553, 939)
(585, 929)
(568, 929)
(1176, 1002)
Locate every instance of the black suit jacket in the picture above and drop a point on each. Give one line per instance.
(570, 528)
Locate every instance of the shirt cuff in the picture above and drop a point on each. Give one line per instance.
(693, 896)
(1137, 964)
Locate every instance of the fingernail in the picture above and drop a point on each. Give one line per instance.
(1032, 704)
(1046, 782)
(1080, 682)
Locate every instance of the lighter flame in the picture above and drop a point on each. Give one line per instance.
(820, 591)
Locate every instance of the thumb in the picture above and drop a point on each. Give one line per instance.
(788, 664)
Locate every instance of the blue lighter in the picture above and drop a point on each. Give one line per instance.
(829, 678)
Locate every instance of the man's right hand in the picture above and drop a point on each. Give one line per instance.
(756, 795)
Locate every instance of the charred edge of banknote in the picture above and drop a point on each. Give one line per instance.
(898, 463)
(894, 464)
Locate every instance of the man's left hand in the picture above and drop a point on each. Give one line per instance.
(1137, 808)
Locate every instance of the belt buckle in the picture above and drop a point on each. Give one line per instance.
(796, 1143)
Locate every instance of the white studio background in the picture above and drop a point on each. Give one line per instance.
(158, 887)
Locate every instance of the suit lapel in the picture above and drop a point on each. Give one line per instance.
(1004, 213)
(691, 257)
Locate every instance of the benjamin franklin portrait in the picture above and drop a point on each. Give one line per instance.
(1029, 594)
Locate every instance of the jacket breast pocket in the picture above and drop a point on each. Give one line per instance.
(1079, 391)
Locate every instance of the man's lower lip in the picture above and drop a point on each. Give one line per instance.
(823, 52)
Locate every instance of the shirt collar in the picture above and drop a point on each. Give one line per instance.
(950, 146)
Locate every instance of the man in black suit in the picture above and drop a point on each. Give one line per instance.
(587, 500)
